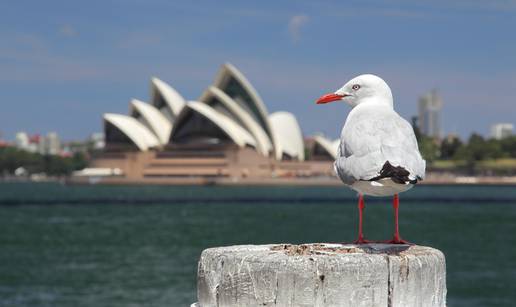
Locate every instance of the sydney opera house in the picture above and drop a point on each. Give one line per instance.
(226, 135)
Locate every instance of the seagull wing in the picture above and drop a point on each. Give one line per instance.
(370, 138)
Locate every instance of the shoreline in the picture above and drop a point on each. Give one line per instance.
(257, 181)
(225, 181)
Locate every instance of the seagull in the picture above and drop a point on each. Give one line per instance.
(378, 153)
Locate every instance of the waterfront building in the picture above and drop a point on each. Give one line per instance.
(21, 140)
(501, 130)
(226, 133)
(429, 120)
(52, 144)
(45, 145)
(40, 143)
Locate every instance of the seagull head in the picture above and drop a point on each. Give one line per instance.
(362, 89)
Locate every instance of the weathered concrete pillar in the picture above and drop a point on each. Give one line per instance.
(322, 275)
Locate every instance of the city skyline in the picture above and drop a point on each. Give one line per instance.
(89, 61)
(427, 118)
(429, 106)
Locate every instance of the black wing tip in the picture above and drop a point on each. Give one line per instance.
(414, 181)
(398, 174)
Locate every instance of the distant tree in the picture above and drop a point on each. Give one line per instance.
(415, 126)
(508, 146)
(55, 165)
(494, 149)
(12, 158)
(480, 149)
(428, 148)
(462, 153)
(79, 161)
(449, 147)
(477, 147)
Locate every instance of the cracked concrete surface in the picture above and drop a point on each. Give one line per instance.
(322, 275)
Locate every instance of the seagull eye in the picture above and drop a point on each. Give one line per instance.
(355, 87)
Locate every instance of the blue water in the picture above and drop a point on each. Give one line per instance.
(138, 246)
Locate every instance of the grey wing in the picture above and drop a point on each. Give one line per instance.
(369, 141)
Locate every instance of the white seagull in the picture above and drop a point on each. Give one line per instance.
(378, 153)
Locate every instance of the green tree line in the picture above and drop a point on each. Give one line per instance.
(12, 158)
(476, 148)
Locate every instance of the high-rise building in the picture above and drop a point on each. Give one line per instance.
(430, 106)
(41, 143)
(501, 130)
(52, 144)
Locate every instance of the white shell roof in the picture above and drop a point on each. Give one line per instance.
(245, 121)
(175, 101)
(287, 135)
(134, 130)
(335, 146)
(233, 130)
(330, 146)
(156, 121)
(263, 142)
(228, 70)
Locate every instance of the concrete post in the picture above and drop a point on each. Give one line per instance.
(322, 275)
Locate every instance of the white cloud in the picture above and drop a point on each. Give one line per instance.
(68, 31)
(294, 26)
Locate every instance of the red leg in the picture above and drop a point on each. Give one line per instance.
(361, 207)
(397, 239)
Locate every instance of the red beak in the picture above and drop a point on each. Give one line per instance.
(329, 98)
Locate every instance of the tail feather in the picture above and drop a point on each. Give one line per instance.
(397, 174)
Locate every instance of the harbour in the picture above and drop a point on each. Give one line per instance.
(139, 245)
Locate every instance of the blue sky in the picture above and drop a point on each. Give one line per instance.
(64, 63)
